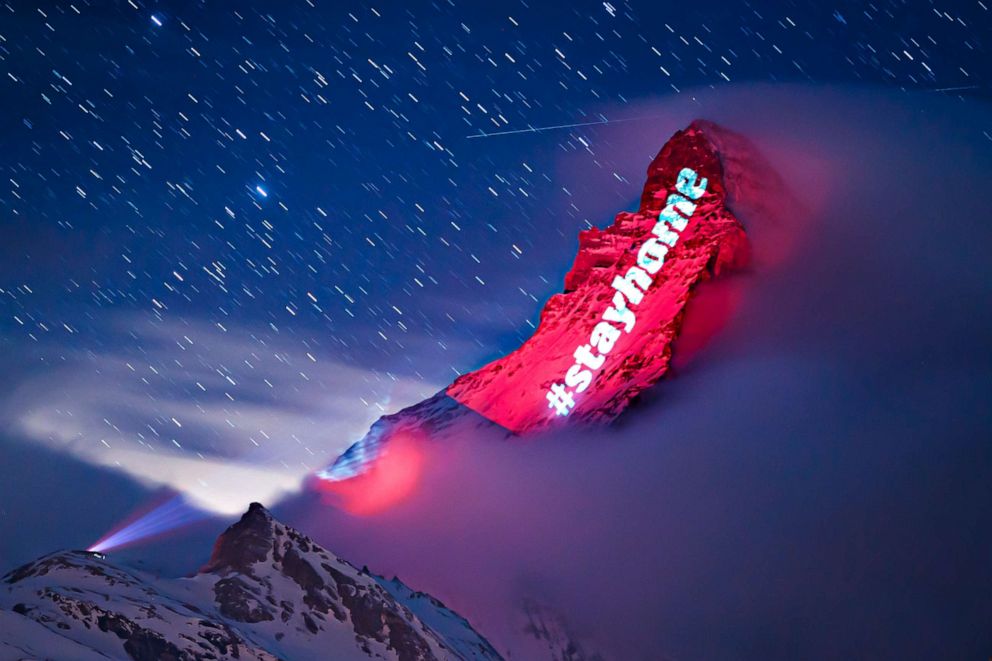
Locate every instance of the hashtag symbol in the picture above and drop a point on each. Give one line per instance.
(560, 399)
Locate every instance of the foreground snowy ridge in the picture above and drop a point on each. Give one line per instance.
(268, 592)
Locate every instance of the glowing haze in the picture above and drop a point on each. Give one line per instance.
(820, 468)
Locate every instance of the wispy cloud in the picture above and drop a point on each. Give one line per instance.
(223, 415)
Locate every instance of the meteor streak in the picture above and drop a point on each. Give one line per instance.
(538, 129)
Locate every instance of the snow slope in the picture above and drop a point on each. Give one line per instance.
(268, 592)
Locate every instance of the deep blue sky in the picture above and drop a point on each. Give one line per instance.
(132, 152)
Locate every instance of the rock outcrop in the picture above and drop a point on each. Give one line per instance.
(268, 592)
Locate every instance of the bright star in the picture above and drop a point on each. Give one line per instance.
(157, 20)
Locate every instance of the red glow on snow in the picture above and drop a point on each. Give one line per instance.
(389, 481)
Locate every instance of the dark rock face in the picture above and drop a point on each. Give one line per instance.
(552, 635)
(243, 544)
(271, 589)
(237, 601)
(144, 645)
(258, 558)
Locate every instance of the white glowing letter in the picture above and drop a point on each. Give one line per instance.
(686, 184)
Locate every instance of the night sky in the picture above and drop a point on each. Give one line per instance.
(235, 235)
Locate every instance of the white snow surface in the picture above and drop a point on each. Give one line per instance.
(297, 601)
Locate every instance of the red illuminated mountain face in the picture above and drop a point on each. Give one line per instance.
(512, 392)
(518, 390)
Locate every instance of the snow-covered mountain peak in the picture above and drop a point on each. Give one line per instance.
(267, 592)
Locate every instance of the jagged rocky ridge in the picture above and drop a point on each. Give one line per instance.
(512, 390)
(739, 179)
(268, 592)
